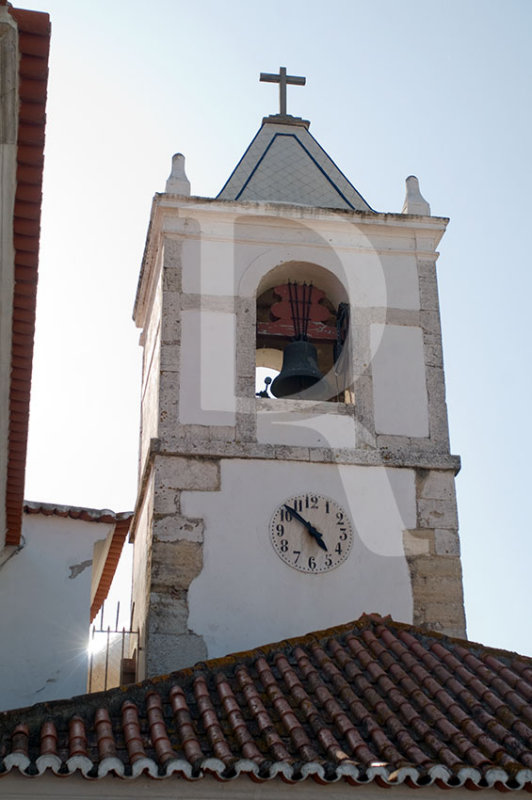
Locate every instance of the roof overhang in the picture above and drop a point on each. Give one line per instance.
(31, 41)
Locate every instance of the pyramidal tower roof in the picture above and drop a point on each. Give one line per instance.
(285, 164)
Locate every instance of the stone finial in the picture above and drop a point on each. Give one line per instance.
(415, 203)
(177, 182)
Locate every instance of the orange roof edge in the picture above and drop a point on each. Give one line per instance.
(34, 43)
(113, 557)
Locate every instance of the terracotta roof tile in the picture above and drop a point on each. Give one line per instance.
(77, 740)
(30, 44)
(48, 739)
(78, 512)
(373, 701)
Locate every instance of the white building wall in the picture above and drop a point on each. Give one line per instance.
(19, 787)
(246, 596)
(45, 599)
(207, 381)
(399, 383)
(150, 375)
(141, 571)
(300, 423)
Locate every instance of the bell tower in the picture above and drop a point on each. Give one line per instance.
(264, 517)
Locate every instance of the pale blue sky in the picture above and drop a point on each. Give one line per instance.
(440, 90)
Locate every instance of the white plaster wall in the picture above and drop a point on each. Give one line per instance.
(246, 596)
(45, 597)
(297, 423)
(207, 376)
(399, 386)
(150, 375)
(232, 254)
(402, 282)
(357, 267)
(17, 787)
(208, 262)
(141, 569)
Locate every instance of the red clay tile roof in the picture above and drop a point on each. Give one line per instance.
(121, 521)
(372, 701)
(77, 512)
(34, 43)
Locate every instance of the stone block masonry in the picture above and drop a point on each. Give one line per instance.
(433, 555)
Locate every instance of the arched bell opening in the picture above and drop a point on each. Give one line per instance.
(302, 334)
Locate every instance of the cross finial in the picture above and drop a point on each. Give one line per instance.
(282, 79)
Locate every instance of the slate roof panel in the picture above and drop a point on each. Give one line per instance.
(285, 164)
(369, 701)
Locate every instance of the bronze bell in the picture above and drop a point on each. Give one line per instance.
(300, 369)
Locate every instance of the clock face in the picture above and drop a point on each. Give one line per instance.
(311, 533)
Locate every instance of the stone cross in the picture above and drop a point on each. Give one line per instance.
(282, 79)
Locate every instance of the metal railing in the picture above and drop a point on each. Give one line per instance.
(112, 653)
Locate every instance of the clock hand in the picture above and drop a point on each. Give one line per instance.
(311, 529)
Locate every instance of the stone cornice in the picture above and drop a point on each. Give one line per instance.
(409, 458)
(427, 231)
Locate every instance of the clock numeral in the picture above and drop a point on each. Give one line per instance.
(311, 501)
(285, 515)
(297, 553)
(280, 530)
(283, 546)
(343, 534)
(328, 561)
(327, 507)
(339, 518)
(312, 563)
(338, 549)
